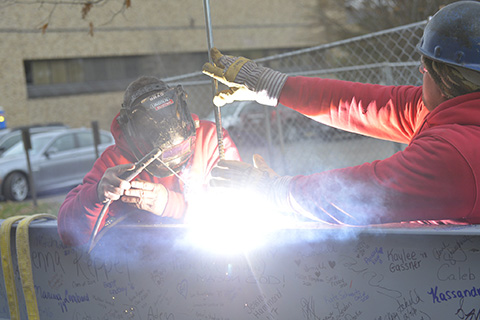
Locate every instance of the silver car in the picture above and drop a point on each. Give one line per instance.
(59, 159)
(9, 137)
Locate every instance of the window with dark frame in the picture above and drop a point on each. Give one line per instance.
(75, 76)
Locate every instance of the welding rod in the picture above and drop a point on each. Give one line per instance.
(140, 165)
(218, 115)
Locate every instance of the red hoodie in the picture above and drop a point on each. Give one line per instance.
(434, 178)
(79, 211)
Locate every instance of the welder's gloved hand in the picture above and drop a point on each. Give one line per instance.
(246, 79)
(147, 196)
(259, 178)
(233, 173)
(111, 187)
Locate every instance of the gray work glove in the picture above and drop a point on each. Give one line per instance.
(259, 178)
(247, 80)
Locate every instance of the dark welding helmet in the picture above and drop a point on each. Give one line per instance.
(452, 35)
(155, 115)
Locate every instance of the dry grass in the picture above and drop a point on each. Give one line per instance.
(9, 208)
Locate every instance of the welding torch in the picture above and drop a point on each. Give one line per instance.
(140, 165)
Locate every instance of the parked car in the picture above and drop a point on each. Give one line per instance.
(59, 159)
(10, 136)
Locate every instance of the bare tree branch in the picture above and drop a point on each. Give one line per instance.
(86, 9)
(86, 6)
(55, 2)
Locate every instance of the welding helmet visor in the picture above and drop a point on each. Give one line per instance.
(160, 119)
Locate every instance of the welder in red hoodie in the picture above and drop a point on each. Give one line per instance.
(435, 179)
(152, 115)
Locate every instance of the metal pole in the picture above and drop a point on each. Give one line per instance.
(218, 116)
(27, 145)
(96, 137)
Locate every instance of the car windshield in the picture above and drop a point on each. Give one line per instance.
(38, 142)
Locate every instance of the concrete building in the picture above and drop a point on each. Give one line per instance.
(75, 70)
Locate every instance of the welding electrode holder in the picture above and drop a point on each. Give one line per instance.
(140, 165)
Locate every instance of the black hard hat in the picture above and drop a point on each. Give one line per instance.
(155, 115)
(452, 35)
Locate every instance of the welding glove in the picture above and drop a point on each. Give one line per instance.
(141, 194)
(247, 80)
(147, 196)
(111, 187)
(259, 178)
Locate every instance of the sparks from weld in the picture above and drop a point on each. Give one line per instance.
(231, 220)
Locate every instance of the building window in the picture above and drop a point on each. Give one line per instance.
(63, 77)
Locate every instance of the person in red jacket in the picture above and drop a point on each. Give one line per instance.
(152, 115)
(436, 179)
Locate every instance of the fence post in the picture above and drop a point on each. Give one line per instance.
(96, 137)
(27, 145)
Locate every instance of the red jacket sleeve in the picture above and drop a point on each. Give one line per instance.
(81, 207)
(429, 180)
(384, 112)
(415, 184)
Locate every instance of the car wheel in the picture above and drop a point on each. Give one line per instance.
(16, 187)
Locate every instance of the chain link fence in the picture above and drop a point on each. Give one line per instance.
(294, 144)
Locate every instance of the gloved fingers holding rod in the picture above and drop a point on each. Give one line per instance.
(231, 95)
(117, 183)
(247, 80)
(258, 178)
(147, 196)
(111, 186)
(142, 194)
(231, 173)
